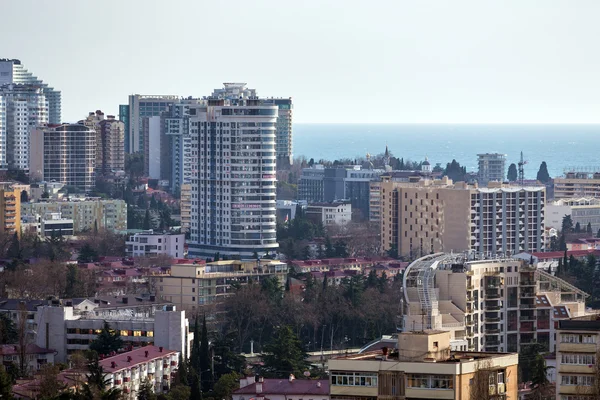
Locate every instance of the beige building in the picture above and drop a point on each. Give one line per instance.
(577, 184)
(423, 367)
(196, 284)
(87, 214)
(185, 205)
(494, 304)
(10, 208)
(431, 216)
(578, 341)
(110, 142)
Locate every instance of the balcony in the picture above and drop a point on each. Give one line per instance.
(526, 306)
(527, 293)
(527, 318)
(492, 295)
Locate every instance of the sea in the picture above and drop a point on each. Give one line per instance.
(561, 146)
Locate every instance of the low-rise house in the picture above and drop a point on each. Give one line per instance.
(282, 389)
(150, 244)
(36, 357)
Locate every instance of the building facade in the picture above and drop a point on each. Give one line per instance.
(283, 137)
(87, 215)
(64, 153)
(141, 106)
(577, 358)
(233, 180)
(185, 205)
(335, 213)
(492, 167)
(110, 142)
(430, 216)
(310, 185)
(10, 208)
(576, 184)
(150, 244)
(583, 211)
(22, 107)
(423, 367)
(12, 71)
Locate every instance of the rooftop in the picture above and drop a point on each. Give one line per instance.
(288, 387)
(131, 358)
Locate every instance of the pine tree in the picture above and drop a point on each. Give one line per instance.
(146, 391)
(204, 357)
(196, 392)
(284, 354)
(577, 228)
(147, 221)
(181, 376)
(5, 384)
(559, 268)
(512, 173)
(195, 354)
(588, 229)
(542, 174)
(565, 261)
(107, 341)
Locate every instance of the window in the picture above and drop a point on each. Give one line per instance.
(578, 359)
(575, 338)
(423, 381)
(577, 380)
(353, 379)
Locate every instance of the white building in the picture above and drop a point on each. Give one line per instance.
(129, 370)
(233, 181)
(141, 106)
(335, 213)
(110, 137)
(64, 153)
(582, 210)
(36, 356)
(22, 107)
(491, 168)
(149, 244)
(53, 224)
(12, 71)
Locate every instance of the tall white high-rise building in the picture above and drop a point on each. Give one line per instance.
(491, 168)
(12, 71)
(22, 107)
(233, 181)
(140, 107)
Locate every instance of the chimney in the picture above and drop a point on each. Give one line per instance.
(318, 384)
(128, 359)
(125, 300)
(292, 377)
(113, 364)
(152, 297)
(160, 349)
(259, 387)
(146, 353)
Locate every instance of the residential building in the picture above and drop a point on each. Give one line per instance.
(583, 211)
(577, 183)
(124, 118)
(358, 189)
(12, 71)
(65, 153)
(283, 136)
(185, 205)
(110, 142)
(335, 213)
(282, 389)
(233, 186)
(150, 244)
(495, 304)
(22, 107)
(286, 209)
(129, 370)
(192, 284)
(423, 367)
(310, 184)
(141, 106)
(53, 224)
(10, 208)
(154, 147)
(88, 214)
(429, 216)
(577, 358)
(36, 356)
(375, 201)
(492, 167)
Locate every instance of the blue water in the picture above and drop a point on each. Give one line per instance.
(561, 146)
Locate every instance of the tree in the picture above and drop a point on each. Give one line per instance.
(567, 224)
(577, 228)
(87, 254)
(204, 357)
(147, 221)
(195, 392)
(5, 384)
(329, 249)
(598, 234)
(181, 376)
(512, 173)
(542, 174)
(179, 392)
(107, 341)
(8, 331)
(24, 196)
(588, 229)
(195, 353)
(50, 385)
(284, 355)
(146, 391)
(225, 386)
(14, 250)
(539, 379)
(479, 388)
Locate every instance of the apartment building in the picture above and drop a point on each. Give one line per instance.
(495, 304)
(110, 142)
(88, 214)
(10, 208)
(233, 190)
(492, 167)
(36, 356)
(577, 183)
(583, 211)
(185, 205)
(334, 213)
(140, 107)
(577, 358)
(151, 244)
(422, 366)
(192, 284)
(65, 153)
(429, 216)
(12, 71)
(129, 370)
(283, 137)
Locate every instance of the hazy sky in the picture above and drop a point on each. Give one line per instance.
(341, 61)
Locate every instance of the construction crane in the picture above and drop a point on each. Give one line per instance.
(522, 170)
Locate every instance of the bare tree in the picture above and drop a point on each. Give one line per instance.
(480, 383)
(23, 339)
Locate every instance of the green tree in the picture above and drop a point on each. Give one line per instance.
(512, 173)
(567, 224)
(87, 254)
(181, 376)
(598, 234)
(147, 221)
(50, 385)
(195, 392)
(14, 250)
(204, 372)
(542, 174)
(24, 196)
(5, 384)
(107, 341)
(225, 386)
(393, 250)
(284, 354)
(179, 392)
(146, 391)
(8, 331)
(588, 228)
(329, 249)
(455, 172)
(577, 228)
(195, 352)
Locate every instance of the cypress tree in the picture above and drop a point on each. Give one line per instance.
(195, 356)
(204, 357)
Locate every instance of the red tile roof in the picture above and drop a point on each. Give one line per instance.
(285, 387)
(138, 356)
(12, 349)
(550, 255)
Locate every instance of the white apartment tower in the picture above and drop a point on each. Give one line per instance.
(22, 107)
(233, 182)
(491, 168)
(12, 71)
(140, 107)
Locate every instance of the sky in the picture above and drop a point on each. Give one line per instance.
(343, 61)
